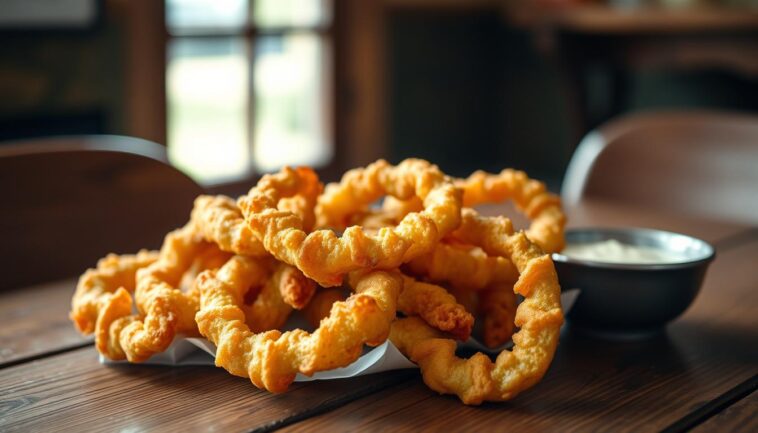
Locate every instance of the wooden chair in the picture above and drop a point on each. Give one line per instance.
(68, 201)
(702, 163)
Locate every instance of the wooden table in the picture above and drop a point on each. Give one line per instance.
(700, 374)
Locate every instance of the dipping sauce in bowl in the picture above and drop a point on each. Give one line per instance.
(632, 281)
(613, 251)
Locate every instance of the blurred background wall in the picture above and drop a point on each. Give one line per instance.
(81, 67)
(237, 87)
(55, 81)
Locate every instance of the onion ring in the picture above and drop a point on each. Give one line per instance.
(530, 196)
(165, 309)
(326, 258)
(296, 289)
(463, 267)
(270, 310)
(219, 220)
(539, 318)
(436, 306)
(497, 305)
(321, 305)
(96, 286)
(457, 265)
(271, 359)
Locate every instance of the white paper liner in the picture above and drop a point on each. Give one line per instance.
(385, 357)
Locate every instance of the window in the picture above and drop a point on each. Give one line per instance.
(249, 86)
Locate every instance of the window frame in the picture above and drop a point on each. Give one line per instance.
(249, 33)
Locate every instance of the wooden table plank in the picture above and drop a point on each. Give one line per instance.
(738, 418)
(35, 321)
(631, 386)
(74, 392)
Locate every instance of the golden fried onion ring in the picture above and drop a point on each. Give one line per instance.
(463, 267)
(530, 196)
(539, 318)
(96, 286)
(459, 266)
(321, 305)
(497, 306)
(270, 310)
(271, 359)
(436, 306)
(325, 257)
(219, 220)
(165, 309)
(296, 289)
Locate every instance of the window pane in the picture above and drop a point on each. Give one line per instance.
(279, 13)
(208, 91)
(198, 14)
(292, 102)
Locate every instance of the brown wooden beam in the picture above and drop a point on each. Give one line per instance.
(146, 69)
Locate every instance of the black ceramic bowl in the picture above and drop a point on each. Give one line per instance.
(628, 300)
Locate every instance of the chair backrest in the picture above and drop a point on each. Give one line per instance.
(702, 163)
(68, 201)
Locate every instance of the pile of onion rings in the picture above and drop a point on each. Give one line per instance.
(389, 252)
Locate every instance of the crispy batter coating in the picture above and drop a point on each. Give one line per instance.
(304, 205)
(372, 220)
(209, 258)
(271, 359)
(270, 310)
(436, 306)
(296, 289)
(325, 257)
(412, 178)
(457, 265)
(164, 309)
(497, 305)
(463, 267)
(237, 270)
(395, 209)
(96, 286)
(321, 305)
(467, 298)
(219, 220)
(529, 195)
(539, 318)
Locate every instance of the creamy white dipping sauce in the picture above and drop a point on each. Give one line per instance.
(613, 251)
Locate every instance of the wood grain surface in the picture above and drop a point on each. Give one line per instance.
(73, 392)
(740, 417)
(35, 321)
